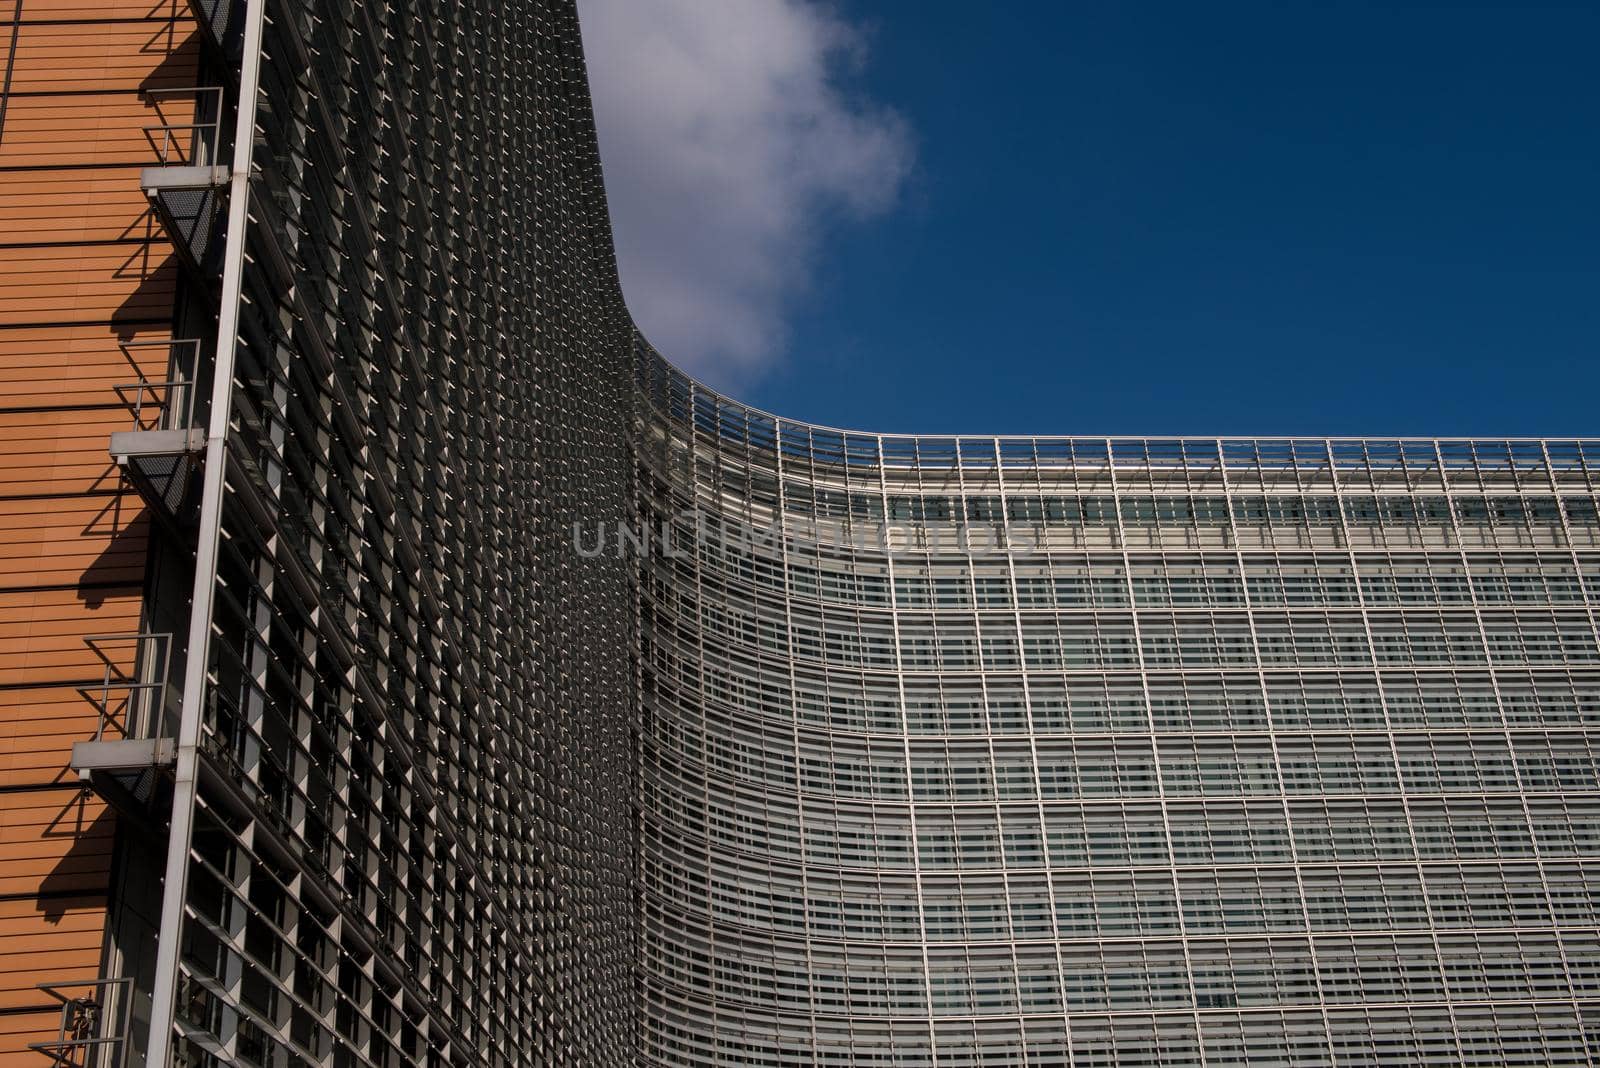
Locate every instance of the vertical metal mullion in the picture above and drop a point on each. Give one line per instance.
(164, 989)
(964, 545)
(1594, 627)
(1033, 751)
(1271, 726)
(905, 742)
(1510, 740)
(1383, 701)
(691, 459)
(794, 709)
(1155, 749)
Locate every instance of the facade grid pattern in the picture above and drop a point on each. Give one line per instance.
(408, 844)
(874, 749)
(970, 751)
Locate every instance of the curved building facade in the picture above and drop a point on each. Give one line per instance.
(315, 746)
(327, 736)
(1050, 751)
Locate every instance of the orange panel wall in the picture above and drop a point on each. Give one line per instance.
(83, 265)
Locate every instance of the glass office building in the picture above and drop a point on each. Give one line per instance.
(455, 682)
(1044, 751)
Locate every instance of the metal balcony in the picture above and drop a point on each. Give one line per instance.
(132, 749)
(186, 182)
(160, 453)
(93, 1032)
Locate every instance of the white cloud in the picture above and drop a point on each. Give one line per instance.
(729, 142)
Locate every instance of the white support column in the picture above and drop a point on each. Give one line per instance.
(180, 833)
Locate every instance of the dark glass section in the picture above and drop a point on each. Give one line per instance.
(414, 839)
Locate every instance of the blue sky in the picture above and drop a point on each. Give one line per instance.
(1153, 218)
